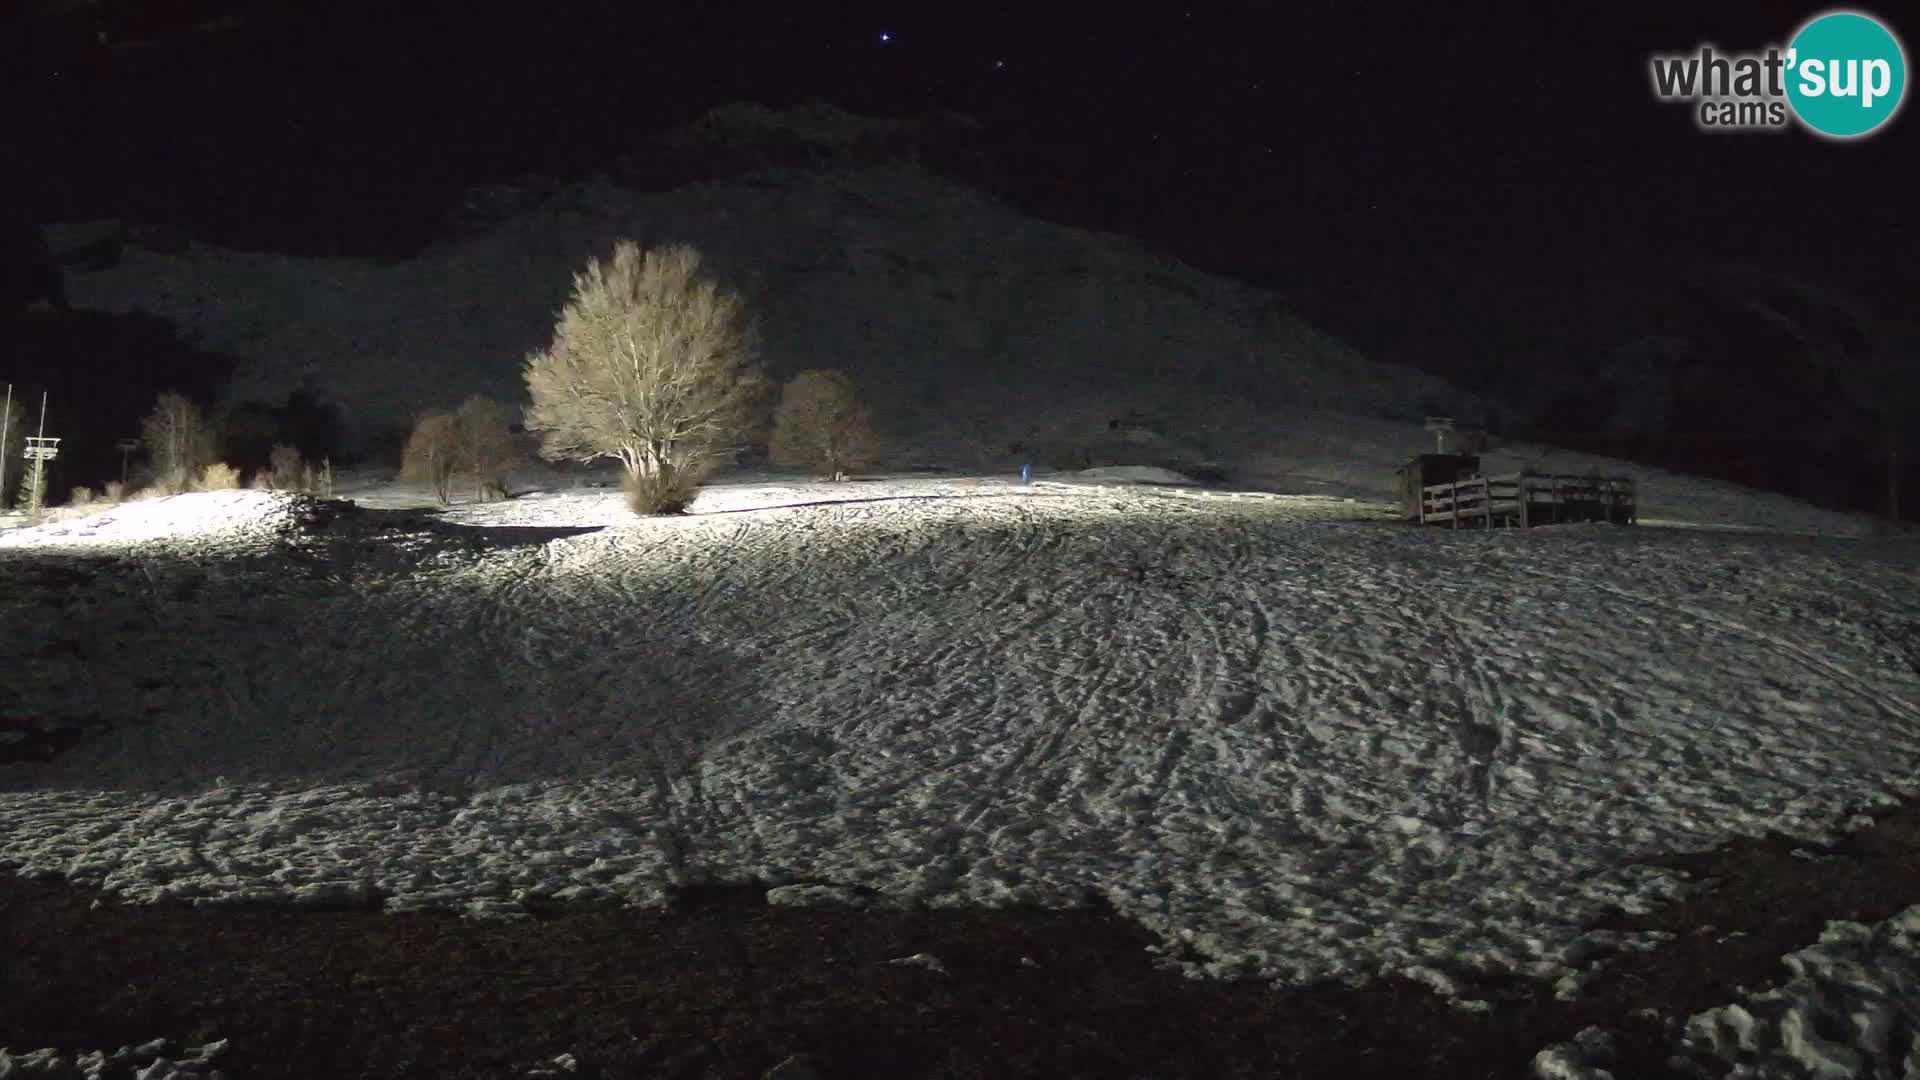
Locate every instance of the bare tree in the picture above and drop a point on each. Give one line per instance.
(13, 445)
(218, 476)
(287, 468)
(179, 441)
(483, 444)
(821, 423)
(431, 454)
(651, 363)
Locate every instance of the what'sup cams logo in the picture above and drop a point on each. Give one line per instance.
(1842, 76)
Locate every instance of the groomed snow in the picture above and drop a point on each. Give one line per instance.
(210, 519)
(1293, 739)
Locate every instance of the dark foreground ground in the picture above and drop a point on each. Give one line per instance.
(722, 985)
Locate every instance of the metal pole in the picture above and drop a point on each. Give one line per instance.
(40, 463)
(6, 414)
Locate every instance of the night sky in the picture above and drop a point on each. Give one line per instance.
(1475, 189)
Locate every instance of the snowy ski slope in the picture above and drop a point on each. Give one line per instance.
(1290, 736)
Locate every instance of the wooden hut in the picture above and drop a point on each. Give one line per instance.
(1427, 470)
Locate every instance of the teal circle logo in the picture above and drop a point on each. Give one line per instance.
(1846, 74)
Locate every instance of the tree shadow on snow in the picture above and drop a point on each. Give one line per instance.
(468, 685)
(344, 520)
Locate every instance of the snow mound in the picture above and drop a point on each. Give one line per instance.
(198, 516)
(1849, 1010)
(1575, 1060)
(1131, 474)
(148, 1061)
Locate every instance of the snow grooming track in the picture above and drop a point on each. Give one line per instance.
(1890, 701)
(1294, 744)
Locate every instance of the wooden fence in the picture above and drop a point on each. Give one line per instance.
(1528, 498)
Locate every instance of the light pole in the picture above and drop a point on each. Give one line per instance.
(126, 446)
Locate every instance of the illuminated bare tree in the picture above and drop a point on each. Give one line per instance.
(483, 444)
(431, 454)
(651, 363)
(13, 444)
(821, 423)
(179, 441)
(285, 466)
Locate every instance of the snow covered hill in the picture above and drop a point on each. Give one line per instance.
(986, 339)
(968, 323)
(1294, 739)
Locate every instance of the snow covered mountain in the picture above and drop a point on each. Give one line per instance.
(985, 339)
(969, 324)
